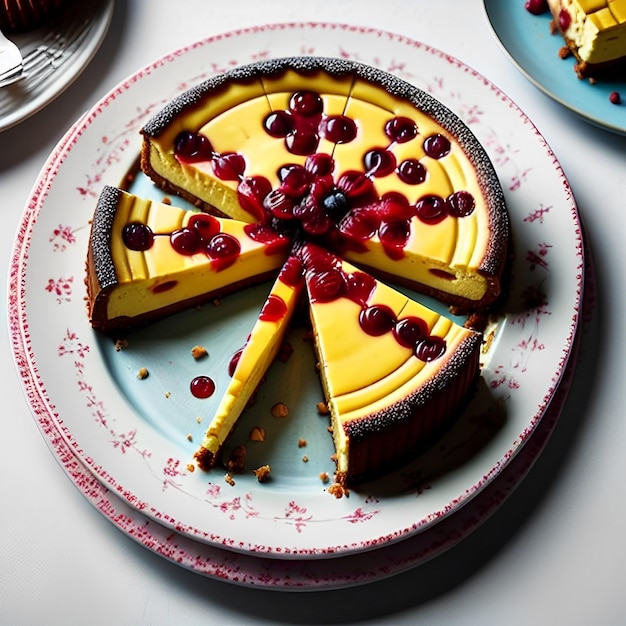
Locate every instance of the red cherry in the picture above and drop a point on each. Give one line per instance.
(401, 129)
(186, 241)
(137, 236)
(377, 319)
(409, 330)
(430, 348)
(205, 225)
(229, 166)
(325, 285)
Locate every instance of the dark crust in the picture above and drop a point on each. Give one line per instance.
(102, 277)
(487, 177)
(428, 404)
(205, 459)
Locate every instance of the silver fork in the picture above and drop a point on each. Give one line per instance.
(11, 64)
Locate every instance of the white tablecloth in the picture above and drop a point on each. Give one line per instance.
(554, 553)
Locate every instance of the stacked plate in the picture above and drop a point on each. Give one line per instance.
(126, 444)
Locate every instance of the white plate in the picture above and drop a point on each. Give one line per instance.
(75, 380)
(54, 56)
(527, 41)
(315, 574)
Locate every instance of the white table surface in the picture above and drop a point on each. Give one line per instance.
(554, 553)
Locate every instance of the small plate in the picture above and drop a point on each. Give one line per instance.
(54, 56)
(132, 434)
(527, 41)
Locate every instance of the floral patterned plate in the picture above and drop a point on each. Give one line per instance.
(137, 436)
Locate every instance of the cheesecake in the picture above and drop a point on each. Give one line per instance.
(594, 31)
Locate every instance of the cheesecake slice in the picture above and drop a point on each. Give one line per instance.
(394, 372)
(594, 31)
(253, 361)
(147, 259)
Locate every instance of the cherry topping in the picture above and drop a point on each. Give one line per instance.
(193, 147)
(379, 162)
(307, 103)
(325, 285)
(186, 241)
(360, 287)
(279, 204)
(359, 224)
(536, 7)
(394, 234)
(251, 192)
(437, 146)
(409, 330)
(223, 245)
(137, 236)
(460, 204)
(273, 310)
(229, 166)
(295, 180)
(279, 123)
(319, 164)
(430, 348)
(377, 319)
(302, 142)
(292, 272)
(206, 225)
(202, 387)
(401, 129)
(565, 19)
(431, 209)
(264, 233)
(412, 172)
(356, 186)
(234, 361)
(340, 129)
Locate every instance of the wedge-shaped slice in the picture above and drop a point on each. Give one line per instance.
(394, 372)
(147, 259)
(255, 358)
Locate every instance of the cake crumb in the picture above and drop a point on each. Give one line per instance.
(237, 459)
(229, 479)
(216, 302)
(338, 491)
(324, 477)
(168, 394)
(166, 200)
(305, 459)
(262, 473)
(198, 419)
(189, 437)
(121, 344)
(301, 442)
(191, 467)
(199, 352)
(143, 373)
(257, 434)
(280, 410)
(564, 52)
(322, 408)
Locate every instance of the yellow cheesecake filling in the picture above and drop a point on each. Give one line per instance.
(254, 359)
(311, 153)
(158, 256)
(594, 29)
(387, 351)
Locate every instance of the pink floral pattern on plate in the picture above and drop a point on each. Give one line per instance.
(148, 470)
